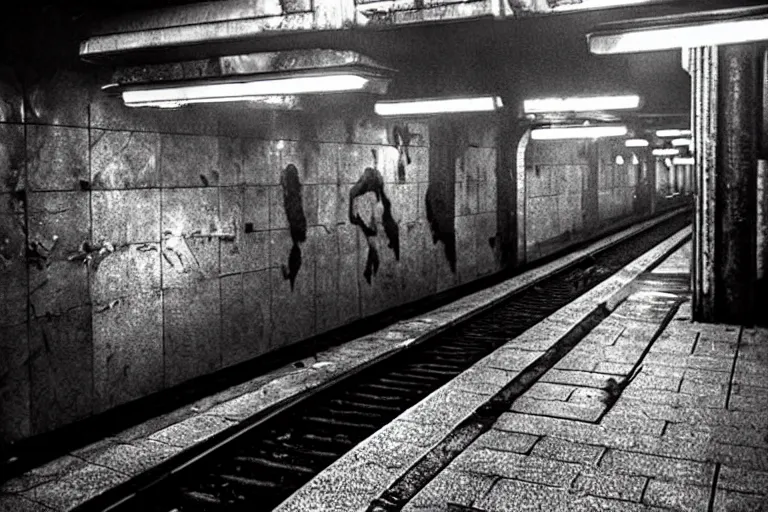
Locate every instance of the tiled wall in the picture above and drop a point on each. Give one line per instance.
(617, 180)
(142, 248)
(556, 178)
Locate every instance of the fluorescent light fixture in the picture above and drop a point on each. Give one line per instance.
(583, 104)
(240, 91)
(438, 106)
(578, 132)
(636, 143)
(672, 133)
(681, 142)
(713, 28)
(679, 160)
(597, 4)
(665, 151)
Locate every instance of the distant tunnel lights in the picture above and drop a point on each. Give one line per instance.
(682, 161)
(239, 91)
(713, 28)
(437, 106)
(681, 142)
(636, 143)
(578, 132)
(583, 104)
(672, 133)
(665, 151)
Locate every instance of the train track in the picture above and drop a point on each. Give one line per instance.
(273, 459)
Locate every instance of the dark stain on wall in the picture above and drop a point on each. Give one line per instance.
(440, 218)
(401, 139)
(373, 182)
(440, 199)
(297, 221)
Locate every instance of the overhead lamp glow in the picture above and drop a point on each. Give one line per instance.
(583, 104)
(578, 132)
(679, 160)
(597, 4)
(239, 91)
(672, 133)
(665, 151)
(734, 26)
(681, 142)
(636, 143)
(438, 106)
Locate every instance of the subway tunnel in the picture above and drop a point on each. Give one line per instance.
(383, 255)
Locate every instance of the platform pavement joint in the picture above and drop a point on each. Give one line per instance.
(78, 476)
(368, 472)
(689, 433)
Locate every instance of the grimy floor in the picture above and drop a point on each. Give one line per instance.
(689, 431)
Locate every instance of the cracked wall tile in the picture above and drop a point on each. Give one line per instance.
(245, 307)
(60, 98)
(189, 161)
(327, 280)
(12, 155)
(57, 157)
(130, 270)
(123, 159)
(14, 384)
(11, 100)
(61, 367)
(56, 283)
(293, 311)
(13, 267)
(126, 216)
(192, 331)
(261, 162)
(127, 349)
(231, 158)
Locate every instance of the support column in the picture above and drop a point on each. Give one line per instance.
(725, 130)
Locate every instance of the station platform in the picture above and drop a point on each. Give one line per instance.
(648, 411)
(645, 410)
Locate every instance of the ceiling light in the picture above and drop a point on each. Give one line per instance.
(635, 160)
(583, 104)
(636, 143)
(665, 151)
(672, 133)
(437, 106)
(242, 91)
(681, 142)
(596, 4)
(708, 28)
(578, 132)
(683, 161)
(619, 160)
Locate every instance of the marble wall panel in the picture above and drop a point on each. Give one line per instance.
(130, 270)
(349, 272)
(231, 159)
(262, 161)
(466, 248)
(127, 349)
(189, 161)
(327, 279)
(245, 310)
(126, 216)
(61, 97)
(57, 157)
(123, 159)
(59, 224)
(11, 99)
(191, 331)
(293, 312)
(14, 389)
(12, 157)
(13, 267)
(61, 368)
